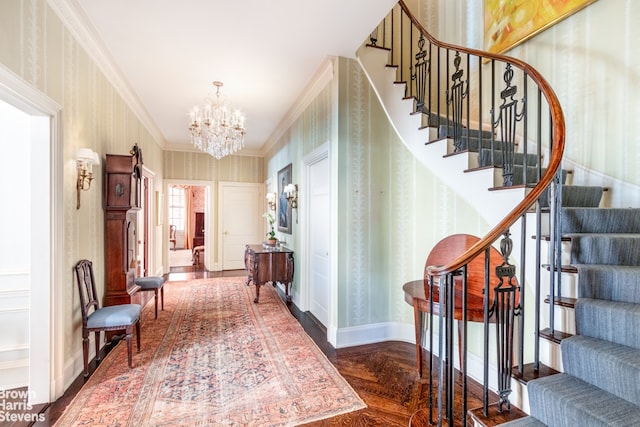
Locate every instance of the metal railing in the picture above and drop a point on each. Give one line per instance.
(504, 109)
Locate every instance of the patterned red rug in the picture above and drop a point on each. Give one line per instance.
(214, 358)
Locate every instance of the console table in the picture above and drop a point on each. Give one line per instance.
(266, 263)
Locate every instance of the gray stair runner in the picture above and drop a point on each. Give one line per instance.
(600, 385)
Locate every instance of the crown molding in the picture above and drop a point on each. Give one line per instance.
(322, 77)
(77, 23)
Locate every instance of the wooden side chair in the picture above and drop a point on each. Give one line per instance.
(96, 319)
(152, 283)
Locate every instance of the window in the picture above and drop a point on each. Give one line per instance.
(176, 207)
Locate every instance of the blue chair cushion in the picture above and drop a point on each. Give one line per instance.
(152, 282)
(114, 315)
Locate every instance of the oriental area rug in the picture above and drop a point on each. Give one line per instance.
(214, 358)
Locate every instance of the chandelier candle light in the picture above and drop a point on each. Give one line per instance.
(214, 128)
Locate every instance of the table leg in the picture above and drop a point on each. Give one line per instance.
(257, 292)
(417, 318)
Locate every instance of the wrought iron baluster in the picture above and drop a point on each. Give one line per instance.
(419, 74)
(505, 307)
(507, 121)
(455, 97)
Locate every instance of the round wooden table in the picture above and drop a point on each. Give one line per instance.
(416, 294)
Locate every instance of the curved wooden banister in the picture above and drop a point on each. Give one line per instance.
(558, 126)
(433, 91)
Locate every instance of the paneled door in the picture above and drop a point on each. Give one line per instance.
(319, 233)
(241, 206)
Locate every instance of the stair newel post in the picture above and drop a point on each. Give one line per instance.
(505, 309)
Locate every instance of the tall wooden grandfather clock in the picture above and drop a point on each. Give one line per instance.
(121, 202)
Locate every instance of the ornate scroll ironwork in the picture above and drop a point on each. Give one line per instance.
(505, 307)
(455, 96)
(507, 120)
(419, 74)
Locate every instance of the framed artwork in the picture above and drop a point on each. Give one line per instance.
(284, 210)
(507, 24)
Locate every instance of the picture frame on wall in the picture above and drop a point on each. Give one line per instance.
(284, 209)
(506, 25)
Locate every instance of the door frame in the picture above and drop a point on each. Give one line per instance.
(46, 374)
(317, 155)
(209, 200)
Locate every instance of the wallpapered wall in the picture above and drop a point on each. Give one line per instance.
(36, 45)
(192, 166)
(386, 219)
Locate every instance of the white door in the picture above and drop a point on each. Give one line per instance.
(319, 232)
(240, 220)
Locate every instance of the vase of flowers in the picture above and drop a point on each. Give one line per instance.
(271, 235)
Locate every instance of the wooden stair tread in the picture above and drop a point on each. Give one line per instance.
(547, 238)
(562, 301)
(563, 268)
(555, 337)
(494, 417)
(530, 373)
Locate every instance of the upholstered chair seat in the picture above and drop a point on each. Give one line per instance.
(155, 284)
(114, 316)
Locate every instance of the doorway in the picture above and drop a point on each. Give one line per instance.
(31, 259)
(317, 285)
(187, 226)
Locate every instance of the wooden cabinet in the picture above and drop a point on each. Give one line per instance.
(121, 203)
(269, 264)
(198, 237)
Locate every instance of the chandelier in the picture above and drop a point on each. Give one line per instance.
(214, 129)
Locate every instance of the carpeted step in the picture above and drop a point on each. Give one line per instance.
(602, 248)
(618, 322)
(524, 422)
(485, 158)
(564, 400)
(447, 132)
(609, 282)
(532, 174)
(581, 196)
(476, 144)
(600, 220)
(612, 367)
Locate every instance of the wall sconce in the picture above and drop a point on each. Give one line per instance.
(85, 159)
(291, 193)
(271, 201)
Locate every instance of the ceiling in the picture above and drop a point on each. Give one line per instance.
(169, 52)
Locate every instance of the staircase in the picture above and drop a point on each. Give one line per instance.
(599, 384)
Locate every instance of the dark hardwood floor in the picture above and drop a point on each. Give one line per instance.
(383, 374)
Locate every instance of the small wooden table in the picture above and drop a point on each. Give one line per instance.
(266, 263)
(416, 291)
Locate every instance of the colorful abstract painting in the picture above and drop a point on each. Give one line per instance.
(508, 23)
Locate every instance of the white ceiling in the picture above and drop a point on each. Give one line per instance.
(265, 52)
